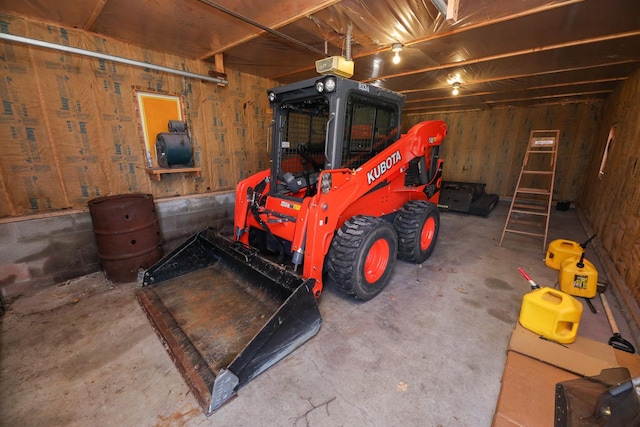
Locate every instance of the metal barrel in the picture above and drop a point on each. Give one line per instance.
(225, 314)
(127, 233)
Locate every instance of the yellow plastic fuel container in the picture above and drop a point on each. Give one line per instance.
(560, 250)
(578, 277)
(552, 314)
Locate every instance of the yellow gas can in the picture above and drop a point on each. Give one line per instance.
(551, 313)
(559, 250)
(578, 277)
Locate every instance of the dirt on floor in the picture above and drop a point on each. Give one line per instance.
(61, 352)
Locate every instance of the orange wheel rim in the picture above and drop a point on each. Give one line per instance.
(376, 261)
(428, 231)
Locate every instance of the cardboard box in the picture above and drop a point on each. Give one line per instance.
(533, 368)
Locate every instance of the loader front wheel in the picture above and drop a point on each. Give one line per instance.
(417, 225)
(362, 256)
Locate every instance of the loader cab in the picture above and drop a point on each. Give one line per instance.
(327, 123)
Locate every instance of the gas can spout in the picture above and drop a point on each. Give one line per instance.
(584, 245)
(528, 279)
(580, 263)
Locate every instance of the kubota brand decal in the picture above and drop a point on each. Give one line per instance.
(384, 166)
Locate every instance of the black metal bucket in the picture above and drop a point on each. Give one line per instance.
(127, 232)
(608, 399)
(226, 314)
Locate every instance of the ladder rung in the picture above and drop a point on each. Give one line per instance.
(524, 232)
(528, 223)
(539, 213)
(541, 151)
(530, 206)
(532, 172)
(532, 190)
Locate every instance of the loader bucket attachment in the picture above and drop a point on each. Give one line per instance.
(225, 314)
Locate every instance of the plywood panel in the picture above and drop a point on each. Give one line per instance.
(70, 130)
(122, 155)
(488, 146)
(612, 201)
(66, 90)
(28, 164)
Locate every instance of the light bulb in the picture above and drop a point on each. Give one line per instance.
(455, 91)
(396, 48)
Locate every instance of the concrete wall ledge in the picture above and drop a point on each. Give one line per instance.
(44, 249)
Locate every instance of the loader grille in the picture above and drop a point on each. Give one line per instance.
(371, 126)
(304, 128)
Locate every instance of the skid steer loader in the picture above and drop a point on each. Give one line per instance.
(345, 196)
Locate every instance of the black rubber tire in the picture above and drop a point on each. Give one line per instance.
(347, 256)
(410, 223)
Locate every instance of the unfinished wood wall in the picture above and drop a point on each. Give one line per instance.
(612, 202)
(69, 130)
(489, 146)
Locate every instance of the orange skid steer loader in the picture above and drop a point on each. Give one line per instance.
(346, 195)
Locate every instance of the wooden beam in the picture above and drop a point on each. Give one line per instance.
(584, 82)
(452, 10)
(468, 109)
(218, 68)
(459, 108)
(540, 73)
(94, 14)
(475, 94)
(278, 19)
(521, 52)
(219, 63)
(561, 95)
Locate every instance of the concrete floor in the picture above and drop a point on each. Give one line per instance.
(428, 351)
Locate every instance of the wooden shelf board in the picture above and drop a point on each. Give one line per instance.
(156, 173)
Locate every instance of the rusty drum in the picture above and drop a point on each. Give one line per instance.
(127, 232)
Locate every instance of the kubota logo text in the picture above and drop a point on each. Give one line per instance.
(384, 166)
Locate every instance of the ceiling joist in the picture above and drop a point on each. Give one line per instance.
(500, 48)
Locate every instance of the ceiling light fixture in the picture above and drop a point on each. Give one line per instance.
(456, 88)
(396, 48)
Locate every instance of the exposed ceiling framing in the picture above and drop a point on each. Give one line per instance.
(502, 52)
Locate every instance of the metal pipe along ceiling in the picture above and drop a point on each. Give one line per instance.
(127, 61)
(263, 27)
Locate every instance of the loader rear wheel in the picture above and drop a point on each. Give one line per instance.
(362, 256)
(417, 225)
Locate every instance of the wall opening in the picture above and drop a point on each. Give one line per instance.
(155, 111)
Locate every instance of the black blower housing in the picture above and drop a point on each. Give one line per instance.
(174, 148)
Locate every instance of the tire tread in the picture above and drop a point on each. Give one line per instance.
(407, 223)
(343, 251)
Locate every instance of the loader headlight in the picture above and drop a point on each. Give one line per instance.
(330, 84)
(325, 183)
(326, 85)
(271, 96)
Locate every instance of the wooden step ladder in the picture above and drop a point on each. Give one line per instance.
(531, 203)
